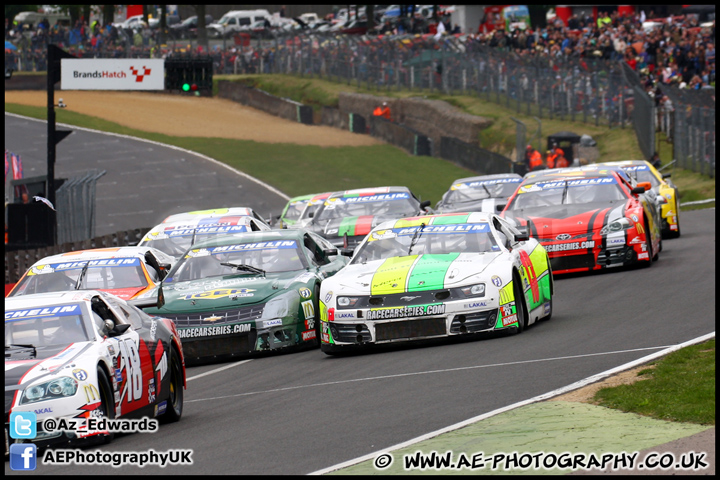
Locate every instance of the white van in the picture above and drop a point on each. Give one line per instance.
(33, 18)
(235, 21)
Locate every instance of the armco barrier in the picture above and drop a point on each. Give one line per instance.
(252, 97)
(18, 261)
(479, 160)
(404, 137)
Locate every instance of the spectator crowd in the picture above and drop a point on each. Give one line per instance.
(673, 51)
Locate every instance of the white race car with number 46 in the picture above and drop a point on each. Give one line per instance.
(436, 276)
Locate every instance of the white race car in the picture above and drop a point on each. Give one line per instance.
(76, 355)
(436, 276)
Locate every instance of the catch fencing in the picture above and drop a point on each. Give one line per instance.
(75, 206)
(590, 89)
(688, 118)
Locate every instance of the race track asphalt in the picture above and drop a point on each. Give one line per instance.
(145, 181)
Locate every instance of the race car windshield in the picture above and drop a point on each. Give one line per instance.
(222, 261)
(342, 209)
(470, 192)
(39, 331)
(294, 210)
(95, 277)
(643, 176)
(435, 239)
(566, 193)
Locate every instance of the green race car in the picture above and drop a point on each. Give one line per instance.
(295, 206)
(249, 292)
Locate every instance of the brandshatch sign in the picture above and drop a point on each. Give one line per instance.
(112, 74)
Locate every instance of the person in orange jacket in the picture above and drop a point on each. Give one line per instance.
(561, 161)
(535, 160)
(386, 111)
(550, 159)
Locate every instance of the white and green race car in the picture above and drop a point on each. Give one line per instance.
(436, 276)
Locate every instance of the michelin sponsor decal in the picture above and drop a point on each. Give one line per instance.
(59, 311)
(403, 312)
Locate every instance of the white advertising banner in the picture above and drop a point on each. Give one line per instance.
(112, 74)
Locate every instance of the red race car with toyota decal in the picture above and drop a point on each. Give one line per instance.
(588, 218)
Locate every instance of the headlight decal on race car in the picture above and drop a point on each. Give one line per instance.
(404, 312)
(430, 271)
(391, 276)
(412, 273)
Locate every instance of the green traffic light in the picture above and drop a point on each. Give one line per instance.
(186, 87)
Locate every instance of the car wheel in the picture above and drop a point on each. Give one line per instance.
(175, 397)
(107, 403)
(317, 314)
(520, 309)
(648, 247)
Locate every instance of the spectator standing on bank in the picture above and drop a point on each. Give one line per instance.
(534, 158)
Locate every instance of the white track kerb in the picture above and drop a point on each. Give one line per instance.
(152, 142)
(545, 396)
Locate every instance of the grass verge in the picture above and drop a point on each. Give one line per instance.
(680, 388)
(296, 169)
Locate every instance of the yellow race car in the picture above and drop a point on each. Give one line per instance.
(664, 188)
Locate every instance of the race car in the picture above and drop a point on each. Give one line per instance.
(196, 215)
(662, 186)
(295, 207)
(486, 193)
(123, 271)
(74, 355)
(588, 218)
(245, 293)
(176, 236)
(346, 217)
(436, 276)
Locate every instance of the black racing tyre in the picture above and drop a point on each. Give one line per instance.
(648, 248)
(520, 308)
(177, 394)
(316, 293)
(107, 400)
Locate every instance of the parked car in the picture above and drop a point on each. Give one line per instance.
(234, 21)
(188, 27)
